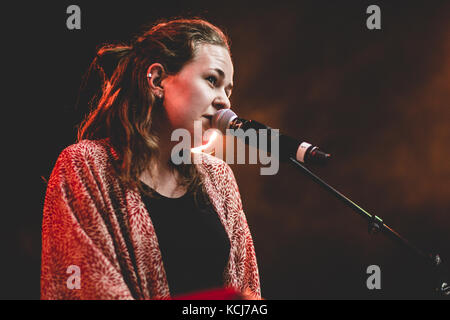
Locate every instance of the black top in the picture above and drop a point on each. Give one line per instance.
(194, 244)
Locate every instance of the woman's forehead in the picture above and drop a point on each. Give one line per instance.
(210, 56)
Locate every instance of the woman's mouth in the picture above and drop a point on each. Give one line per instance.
(209, 117)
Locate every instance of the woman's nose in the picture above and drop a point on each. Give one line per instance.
(222, 102)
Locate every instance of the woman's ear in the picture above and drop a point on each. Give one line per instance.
(155, 74)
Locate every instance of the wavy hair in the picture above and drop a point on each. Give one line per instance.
(124, 108)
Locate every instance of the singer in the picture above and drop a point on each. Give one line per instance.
(131, 223)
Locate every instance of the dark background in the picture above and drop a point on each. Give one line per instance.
(378, 101)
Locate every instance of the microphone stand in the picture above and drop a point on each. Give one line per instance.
(376, 225)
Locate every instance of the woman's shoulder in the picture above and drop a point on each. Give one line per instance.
(89, 150)
(215, 167)
(210, 162)
(221, 181)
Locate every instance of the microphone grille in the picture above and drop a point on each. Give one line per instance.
(222, 118)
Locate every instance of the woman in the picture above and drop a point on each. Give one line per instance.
(121, 221)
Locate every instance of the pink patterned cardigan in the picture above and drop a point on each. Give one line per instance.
(92, 222)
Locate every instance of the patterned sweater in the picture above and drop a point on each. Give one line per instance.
(100, 234)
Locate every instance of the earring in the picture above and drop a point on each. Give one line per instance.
(158, 95)
(149, 75)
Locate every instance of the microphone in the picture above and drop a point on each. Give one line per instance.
(289, 147)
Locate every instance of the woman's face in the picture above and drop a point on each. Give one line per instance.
(199, 89)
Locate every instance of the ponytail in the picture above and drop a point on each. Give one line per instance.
(109, 56)
(99, 74)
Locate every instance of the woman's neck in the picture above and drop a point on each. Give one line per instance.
(160, 174)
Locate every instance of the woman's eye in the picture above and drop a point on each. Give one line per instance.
(212, 80)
